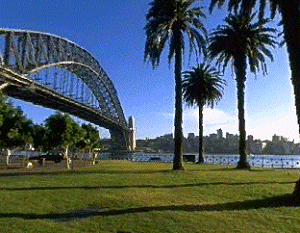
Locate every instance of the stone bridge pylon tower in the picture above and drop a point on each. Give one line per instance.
(132, 133)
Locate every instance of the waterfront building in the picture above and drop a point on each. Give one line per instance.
(191, 136)
(220, 134)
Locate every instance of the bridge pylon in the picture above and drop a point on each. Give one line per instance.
(132, 133)
(119, 140)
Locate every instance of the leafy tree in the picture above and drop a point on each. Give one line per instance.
(15, 129)
(62, 131)
(202, 86)
(91, 138)
(168, 20)
(237, 41)
(55, 127)
(38, 136)
(3, 107)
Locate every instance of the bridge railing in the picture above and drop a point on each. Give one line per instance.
(261, 161)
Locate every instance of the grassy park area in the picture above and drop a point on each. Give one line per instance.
(123, 196)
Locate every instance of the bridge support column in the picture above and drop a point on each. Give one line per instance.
(132, 134)
(119, 140)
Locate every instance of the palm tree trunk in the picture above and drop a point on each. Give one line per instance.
(240, 70)
(201, 158)
(291, 25)
(177, 161)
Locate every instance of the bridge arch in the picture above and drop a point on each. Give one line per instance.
(27, 57)
(100, 90)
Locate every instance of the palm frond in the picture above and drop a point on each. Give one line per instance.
(238, 36)
(262, 7)
(166, 16)
(213, 3)
(267, 52)
(202, 85)
(274, 6)
(246, 6)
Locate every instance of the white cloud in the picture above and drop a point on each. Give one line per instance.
(166, 115)
(261, 127)
(217, 116)
(283, 125)
(213, 119)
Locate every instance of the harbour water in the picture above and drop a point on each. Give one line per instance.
(265, 161)
(259, 161)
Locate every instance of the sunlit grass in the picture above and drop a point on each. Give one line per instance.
(149, 197)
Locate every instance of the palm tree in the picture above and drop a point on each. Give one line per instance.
(168, 20)
(237, 41)
(290, 14)
(202, 86)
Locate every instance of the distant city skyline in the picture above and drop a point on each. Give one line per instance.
(113, 32)
(221, 143)
(220, 134)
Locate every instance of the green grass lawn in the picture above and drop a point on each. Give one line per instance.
(121, 196)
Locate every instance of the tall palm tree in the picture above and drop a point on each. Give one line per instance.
(167, 21)
(290, 14)
(202, 86)
(237, 41)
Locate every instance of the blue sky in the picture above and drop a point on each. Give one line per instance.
(113, 32)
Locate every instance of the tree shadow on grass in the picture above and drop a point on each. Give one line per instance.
(97, 170)
(287, 200)
(170, 186)
(23, 172)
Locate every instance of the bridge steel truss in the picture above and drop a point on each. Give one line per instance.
(54, 72)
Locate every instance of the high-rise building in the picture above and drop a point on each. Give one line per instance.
(220, 134)
(250, 138)
(276, 138)
(213, 136)
(191, 136)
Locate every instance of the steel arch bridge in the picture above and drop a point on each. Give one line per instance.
(56, 73)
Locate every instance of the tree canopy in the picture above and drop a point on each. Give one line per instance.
(15, 129)
(202, 86)
(62, 131)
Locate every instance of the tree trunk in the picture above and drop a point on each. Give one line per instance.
(201, 157)
(240, 70)
(177, 162)
(93, 155)
(68, 159)
(8, 156)
(291, 26)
